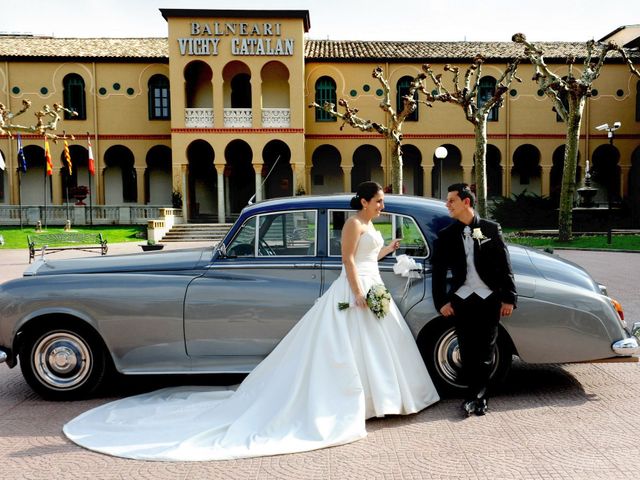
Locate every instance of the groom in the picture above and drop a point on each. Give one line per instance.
(482, 289)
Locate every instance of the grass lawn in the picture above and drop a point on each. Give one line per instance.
(618, 242)
(16, 238)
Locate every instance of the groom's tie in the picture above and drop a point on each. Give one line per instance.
(468, 241)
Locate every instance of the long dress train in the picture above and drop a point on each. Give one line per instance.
(331, 372)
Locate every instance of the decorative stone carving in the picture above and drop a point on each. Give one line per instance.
(198, 117)
(276, 117)
(238, 118)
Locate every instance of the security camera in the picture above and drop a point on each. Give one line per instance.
(616, 125)
(604, 126)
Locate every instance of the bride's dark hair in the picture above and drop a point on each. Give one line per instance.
(366, 190)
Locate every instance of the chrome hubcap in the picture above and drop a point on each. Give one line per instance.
(448, 358)
(62, 360)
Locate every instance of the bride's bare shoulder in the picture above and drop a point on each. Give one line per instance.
(354, 223)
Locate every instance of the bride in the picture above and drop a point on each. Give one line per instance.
(332, 371)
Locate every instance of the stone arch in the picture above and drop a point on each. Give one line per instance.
(526, 170)
(412, 171)
(34, 182)
(119, 176)
(557, 169)
(198, 87)
(202, 180)
(326, 174)
(605, 173)
(157, 176)
(239, 175)
(367, 165)
(280, 182)
(446, 171)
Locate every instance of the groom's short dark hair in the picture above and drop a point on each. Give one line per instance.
(464, 191)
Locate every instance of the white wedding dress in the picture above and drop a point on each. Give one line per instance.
(331, 372)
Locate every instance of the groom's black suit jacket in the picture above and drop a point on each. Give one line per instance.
(491, 259)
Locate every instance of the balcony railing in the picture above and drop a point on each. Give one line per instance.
(276, 117)
(238, 118)
(198, 117)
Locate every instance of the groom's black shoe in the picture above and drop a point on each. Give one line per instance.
(468, 407)
(481, 406)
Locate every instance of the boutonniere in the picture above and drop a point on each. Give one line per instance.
(477, 234)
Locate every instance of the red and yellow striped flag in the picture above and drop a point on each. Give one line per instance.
(47, 157)
(67, 158)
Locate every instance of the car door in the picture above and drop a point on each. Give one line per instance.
(406, 292)
(248, 300)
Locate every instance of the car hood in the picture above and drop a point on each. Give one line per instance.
(557, 269)
(185, 259)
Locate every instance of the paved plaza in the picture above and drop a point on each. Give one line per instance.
(577, 421)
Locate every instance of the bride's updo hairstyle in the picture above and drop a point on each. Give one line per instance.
(366, 190)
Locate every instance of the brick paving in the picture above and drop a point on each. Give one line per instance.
(548, 422)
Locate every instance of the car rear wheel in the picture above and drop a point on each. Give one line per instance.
(439, 348)
(63, 363)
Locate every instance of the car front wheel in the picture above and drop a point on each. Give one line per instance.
(63, 363)
(441, 354)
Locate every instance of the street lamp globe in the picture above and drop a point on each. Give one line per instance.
(441, 152)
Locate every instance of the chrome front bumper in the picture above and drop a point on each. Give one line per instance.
(630, 345)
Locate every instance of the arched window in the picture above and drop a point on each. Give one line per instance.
(74, 98)
(402, 88)
(486, 89)
(325, 92)
(159, 108)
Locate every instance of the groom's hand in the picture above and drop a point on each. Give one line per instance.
(447, 310)
(506, 309)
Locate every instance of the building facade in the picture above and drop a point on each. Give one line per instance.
(217, 114)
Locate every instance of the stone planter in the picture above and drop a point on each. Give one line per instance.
(147, 248)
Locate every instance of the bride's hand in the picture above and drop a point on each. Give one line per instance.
(361, 301)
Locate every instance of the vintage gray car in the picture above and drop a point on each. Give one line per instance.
(224, 309)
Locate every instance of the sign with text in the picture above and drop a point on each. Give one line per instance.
(249, 39)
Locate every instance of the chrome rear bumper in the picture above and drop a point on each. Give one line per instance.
(630, 345)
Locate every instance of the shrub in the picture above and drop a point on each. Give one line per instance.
(525, 210)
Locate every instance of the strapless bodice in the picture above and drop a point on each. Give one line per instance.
(366, 257)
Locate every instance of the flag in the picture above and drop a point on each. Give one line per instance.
(92, 165)
(67, 158)
(22, 160)
(47, 157)
(2, 164)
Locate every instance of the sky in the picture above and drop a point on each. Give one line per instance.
(421, 20)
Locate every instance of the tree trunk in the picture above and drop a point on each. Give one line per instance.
(568, 192)
(480, 130)
(396, 169)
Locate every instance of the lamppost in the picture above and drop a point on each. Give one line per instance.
(441, 153)
(609, 129)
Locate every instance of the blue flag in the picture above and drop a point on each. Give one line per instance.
(22, 161)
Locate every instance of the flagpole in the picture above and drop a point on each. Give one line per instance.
(89, 172)
(20, 194)
(90, 201)
(45, 193)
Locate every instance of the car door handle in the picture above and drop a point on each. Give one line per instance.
(306, 265)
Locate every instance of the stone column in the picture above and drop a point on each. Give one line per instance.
(307, 177)
(183, 175)
(467, 177)
(220, 183)
(545, 181)
(257, 167)
(140, 184)
(58, 195)
(346, 178)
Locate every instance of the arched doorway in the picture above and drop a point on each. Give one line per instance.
(240, 179)
(412, 171)
(605, 174)
(275, 95)
(367, 165)
(3, 181)
(202, 182)
(280, 181)
(557, 171)
(157, 176)
(493, 170)
(34, 181)
(326, 174)
(526, 170)
(634, 187)
(236, 91)
(79, 174)
(446, 171)
(119, 177)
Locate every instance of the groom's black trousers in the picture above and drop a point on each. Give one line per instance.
(476, 323)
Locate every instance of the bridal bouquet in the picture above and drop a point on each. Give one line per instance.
(378, 300)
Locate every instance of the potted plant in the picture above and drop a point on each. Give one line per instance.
(151, 245)
(79, 193)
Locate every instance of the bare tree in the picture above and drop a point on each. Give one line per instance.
(575, 89)
(392, 131)
(476, 112)
(7, 125)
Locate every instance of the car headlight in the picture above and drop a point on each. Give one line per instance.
(618, 307)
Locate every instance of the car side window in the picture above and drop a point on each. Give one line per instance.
(287, 234)
(243, 244)
(390, 226)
